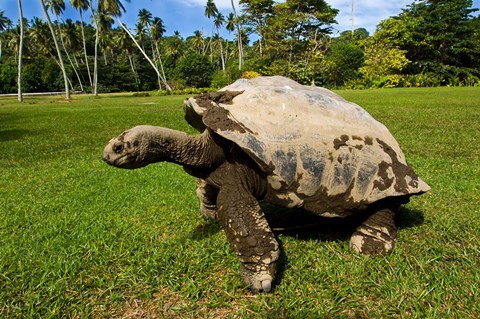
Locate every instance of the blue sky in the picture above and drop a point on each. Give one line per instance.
(186, 16)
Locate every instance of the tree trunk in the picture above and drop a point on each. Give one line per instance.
(140, 48)
(85, 48)
(221, 51)
(57, 47)
(95, 59)
(132, 66)
(164, 77)
(20, 53)
(159, 79)
(239, 36)
(68, 55)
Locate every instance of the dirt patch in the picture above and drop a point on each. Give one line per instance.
(217, 117)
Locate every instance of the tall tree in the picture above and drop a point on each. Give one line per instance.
(444, 40)
(104, 24)
(144, 19)
(115, 8)
(256, 13)
(157, 29)
(82, 5)
(296, 27)
(57, 47)
(197, 41)
(126, 44)
(20, 52)
(57, 7)
(210, 11)
(218, 22)
(5, 23)
(239, 37)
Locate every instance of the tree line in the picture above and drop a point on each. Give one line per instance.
(430, 43)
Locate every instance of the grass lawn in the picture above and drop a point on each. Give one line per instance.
(80, 239)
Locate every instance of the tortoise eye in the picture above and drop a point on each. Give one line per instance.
(117, 148)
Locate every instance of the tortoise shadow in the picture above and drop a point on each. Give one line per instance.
(305, 225)
(12, 135)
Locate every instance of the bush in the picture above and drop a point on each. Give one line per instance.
(220, 79)
(196, 70)
(250, 75)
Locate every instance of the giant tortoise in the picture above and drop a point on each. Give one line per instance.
(273, 140)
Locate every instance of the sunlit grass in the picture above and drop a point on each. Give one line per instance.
(81, 239)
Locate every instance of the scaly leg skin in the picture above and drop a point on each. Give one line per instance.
(376, 235)
(249, 235)
(207, 195)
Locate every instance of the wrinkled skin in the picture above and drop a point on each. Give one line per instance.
(230, 186)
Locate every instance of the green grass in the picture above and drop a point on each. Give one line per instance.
(80, 239)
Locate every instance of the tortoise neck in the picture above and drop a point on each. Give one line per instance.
(199, 151)
(191, 151)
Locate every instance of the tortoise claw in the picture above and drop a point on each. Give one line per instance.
(267, 285)
(260, 280)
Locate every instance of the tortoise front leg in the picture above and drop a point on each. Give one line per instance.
(249, 235)
(376, 235)
(207, 195)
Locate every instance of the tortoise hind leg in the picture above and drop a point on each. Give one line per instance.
(207, 195)
(376, 235)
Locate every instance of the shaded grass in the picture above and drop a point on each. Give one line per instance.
(81, 239)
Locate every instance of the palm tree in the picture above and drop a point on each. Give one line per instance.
(14, 41)
(20, 52)
(140, 33)
(70, 36)
(40, 36)
(5, 23)
(104, 24)
(210, 11)
(144, 17)
(197, 41)
(239, 37)
(157, 29)
(82, 5)
(126, 44)
(115, 8)
(218, 22)
(57, 47)
(57, 7)
(95, 16)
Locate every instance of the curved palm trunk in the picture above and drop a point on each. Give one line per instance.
(159, 79)
(141, 50)
(68, 55)
(95, 59)
(85, 48)
(134, 71)
(164, 78)
(221, 51)
(240, 45)
(20, 53)
(59, 52)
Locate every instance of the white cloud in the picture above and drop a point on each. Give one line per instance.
(367, 13)
(221, 4)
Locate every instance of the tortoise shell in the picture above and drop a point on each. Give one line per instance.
(308, 140)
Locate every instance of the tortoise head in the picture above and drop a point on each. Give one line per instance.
(132, 149)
